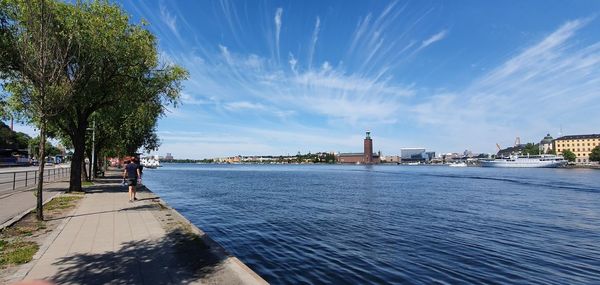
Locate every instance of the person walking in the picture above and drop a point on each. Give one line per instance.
(141, 170)
(131, 173)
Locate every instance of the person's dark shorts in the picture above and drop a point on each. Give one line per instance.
(132, 182)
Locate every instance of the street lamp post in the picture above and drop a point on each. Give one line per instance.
(93, 129)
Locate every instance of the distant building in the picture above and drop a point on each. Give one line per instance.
(413, 154)
(390, 158)
(546, 144)
(351, 157)
(365, 157)
(368, 149)
(168, 157)
(430, 155)
(581, 145)
(451, 156)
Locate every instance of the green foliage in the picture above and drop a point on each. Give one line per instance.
(36, 74)
(531, 149)
(551, 151)
(50, 150)
(95, 64)
(569, 155)
(37, 49)
(595, 154)
(126, 88)
(320, 157)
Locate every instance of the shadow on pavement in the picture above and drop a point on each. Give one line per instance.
(180, 258)
(135, 208)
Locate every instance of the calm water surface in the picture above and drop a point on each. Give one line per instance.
(395, 224)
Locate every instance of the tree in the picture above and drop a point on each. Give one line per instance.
(37, 52)
(117, 68)
(51, 150)
(531, 149)
(111, 65)
(595, 154)
(569, 155)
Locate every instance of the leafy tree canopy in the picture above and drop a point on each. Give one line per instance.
(595, 154)
(50, 150)
(108, 69)
(531, 149)
(569, 155)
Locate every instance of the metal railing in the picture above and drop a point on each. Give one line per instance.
(25, 178)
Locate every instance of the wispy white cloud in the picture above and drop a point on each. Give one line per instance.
(169, 20)
(293, 61)
(535, 88)
(277, 19)
(244, 105)
(329, 91)
(225, 54)
(188, 99)
(541, 87)
(313, 42)
(380, 43)
(434, 38)
(253, 141)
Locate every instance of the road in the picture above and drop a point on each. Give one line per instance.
(14, 203)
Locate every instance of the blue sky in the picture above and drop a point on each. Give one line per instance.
(278, 77)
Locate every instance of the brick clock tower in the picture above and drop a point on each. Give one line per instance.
(368, 152)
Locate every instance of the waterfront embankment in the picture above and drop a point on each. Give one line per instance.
(107, 240)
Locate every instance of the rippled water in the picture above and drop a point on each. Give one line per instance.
(395, 224)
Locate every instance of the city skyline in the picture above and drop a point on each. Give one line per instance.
(281, 77)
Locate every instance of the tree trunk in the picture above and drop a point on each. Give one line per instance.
(42, 162)
(75, 179)
(78, 140)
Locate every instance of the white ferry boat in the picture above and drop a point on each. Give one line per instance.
(458, 164)
(532, 161)
(150, 162)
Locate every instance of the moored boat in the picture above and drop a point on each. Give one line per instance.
(150, 162)
(532, 161)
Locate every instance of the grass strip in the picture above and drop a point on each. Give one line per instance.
(63, 202)
(16, 252)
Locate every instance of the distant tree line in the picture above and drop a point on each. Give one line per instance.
(12, 140)
(65, 65)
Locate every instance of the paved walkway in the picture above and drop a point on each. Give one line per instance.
(108, 240)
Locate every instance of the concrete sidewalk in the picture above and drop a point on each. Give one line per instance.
(108, 240)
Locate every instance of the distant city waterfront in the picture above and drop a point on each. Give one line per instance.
(579, 150)
(379, 224)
